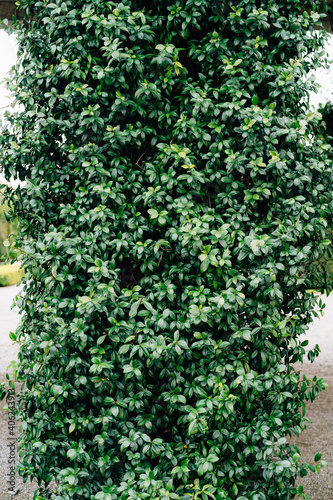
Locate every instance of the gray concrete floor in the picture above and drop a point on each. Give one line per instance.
(9, 320)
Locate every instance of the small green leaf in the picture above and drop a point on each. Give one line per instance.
(153, 213)
(71, 428)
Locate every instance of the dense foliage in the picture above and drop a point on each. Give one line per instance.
(325, 131)
(175, 198)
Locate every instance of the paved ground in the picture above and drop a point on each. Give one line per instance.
(9, 319)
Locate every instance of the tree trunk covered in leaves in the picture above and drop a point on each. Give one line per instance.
(176, 199)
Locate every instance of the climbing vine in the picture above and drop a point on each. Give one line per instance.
(175, 195)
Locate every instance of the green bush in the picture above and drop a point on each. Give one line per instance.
(175, 194)
(10, 274)
(8, 227)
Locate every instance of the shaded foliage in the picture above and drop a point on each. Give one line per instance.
(325, 128)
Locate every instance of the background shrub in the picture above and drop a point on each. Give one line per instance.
(176, 196)
(8, 228)
(10, 274)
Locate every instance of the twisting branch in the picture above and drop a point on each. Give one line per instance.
(11, 105)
